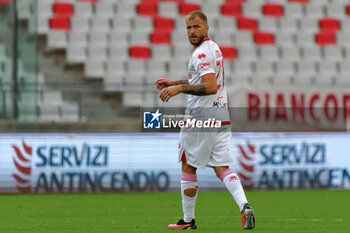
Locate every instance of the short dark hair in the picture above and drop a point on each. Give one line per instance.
(196, 13)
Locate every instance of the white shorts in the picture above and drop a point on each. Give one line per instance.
(206, 149)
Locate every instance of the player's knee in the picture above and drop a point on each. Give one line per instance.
(190, 192)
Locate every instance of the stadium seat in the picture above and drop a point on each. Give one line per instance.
(105, 9)
(100, 24)
(264, 38)
(285, 39)
(306, 72)
(223, 23)
(115, 73)
(77, 38)
(314, 10)
(248, 53)
(139, 38)
(229, 53)
(268, 25)
(143, 24)
(163, 24)
(160, 38)
(285, 70)
(333, 54)
(290, 53)
(186, 8)
(310, 25)
(59, 23)
(273, 10)
(132, 99)
(97, 52)
(147, 9)
(288, 25)
(168, 9)
(98, 38)
(248, 24)
(327, 71)
(62, 9)
(76, 54)
(329, 25)
(223, 37)
(243, 38)
(57, 39)
(336, 9)
(311, 53)
(293, 11)
(79, 23)
(156, 69)
(138, 52)
(325, 38)
(299, 1)
(121, 24)
(268, 53)
(94, 68)
(252, 10)
(231, 9)
(83, 9)
(161, 53)
(263, 72)
(343, 39)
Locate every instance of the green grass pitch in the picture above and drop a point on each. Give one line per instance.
(278, 211)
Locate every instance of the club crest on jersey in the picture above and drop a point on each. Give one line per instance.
(201, 56)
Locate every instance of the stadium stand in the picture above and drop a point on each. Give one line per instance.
(128, 44)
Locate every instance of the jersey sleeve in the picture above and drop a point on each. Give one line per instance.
(204, 63)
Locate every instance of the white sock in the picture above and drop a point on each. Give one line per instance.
(234, 186)
(188, 181)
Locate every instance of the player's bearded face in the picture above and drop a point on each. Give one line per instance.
(197, 30)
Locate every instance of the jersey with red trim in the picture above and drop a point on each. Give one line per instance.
(207, 59)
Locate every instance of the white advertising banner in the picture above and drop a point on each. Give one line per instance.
(50, 163)
(284, 108)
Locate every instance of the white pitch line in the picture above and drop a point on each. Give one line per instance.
(310, 220)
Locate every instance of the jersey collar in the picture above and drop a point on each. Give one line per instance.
(206, 39)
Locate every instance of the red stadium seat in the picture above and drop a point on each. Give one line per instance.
(264, 38)
(186, 8)
(231, 9)
(348, 10)
(325, 38)
(139, 52)
(299, 1)
(92, 1)
(5, 2)
(163, 24)
(273, 10)
(160, 37)
(62, 9)
(60, 23)
(235, 1)
(247, 24)
(178, 1)
(329, 24)
(230, 53)
(148, 9)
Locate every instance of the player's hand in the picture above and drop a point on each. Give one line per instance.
(169, 92)
(163, 82)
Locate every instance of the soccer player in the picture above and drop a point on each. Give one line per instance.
(206, 89)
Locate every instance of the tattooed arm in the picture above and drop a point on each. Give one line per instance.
(208, 87)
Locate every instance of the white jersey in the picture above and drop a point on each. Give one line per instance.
(207, 58)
